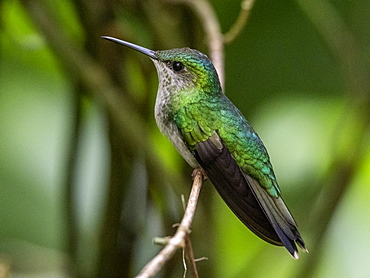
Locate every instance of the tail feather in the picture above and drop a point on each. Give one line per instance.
(279, 216)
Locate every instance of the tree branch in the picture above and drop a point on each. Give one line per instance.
(189, 255)
(178, 240)
(241, 21)
(212, 28)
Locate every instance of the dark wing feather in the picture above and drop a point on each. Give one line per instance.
(265, 215)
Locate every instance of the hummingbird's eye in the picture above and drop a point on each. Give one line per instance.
(177, 66)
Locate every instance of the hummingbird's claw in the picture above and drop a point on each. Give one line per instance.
(202, 172)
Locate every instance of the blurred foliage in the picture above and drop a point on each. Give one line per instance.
(87, 180)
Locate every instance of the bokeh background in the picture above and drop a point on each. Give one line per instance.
(87, 180)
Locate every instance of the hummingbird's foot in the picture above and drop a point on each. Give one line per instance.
(196, 171)
(180, 227)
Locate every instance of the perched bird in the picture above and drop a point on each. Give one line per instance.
(210, 132)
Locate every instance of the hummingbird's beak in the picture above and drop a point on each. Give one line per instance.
(141, 49)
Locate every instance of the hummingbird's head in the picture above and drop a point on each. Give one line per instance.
(185, 68)
(180, 69)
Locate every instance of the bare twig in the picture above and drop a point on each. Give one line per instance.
(178, 240)
(241, 21)
(189, 255)
(212, 28)
(211, 25)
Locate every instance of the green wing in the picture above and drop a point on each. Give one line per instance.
(264, 214)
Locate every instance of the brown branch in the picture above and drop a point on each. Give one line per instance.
(241, 21)
(212, 28)
(178, 240)
(189, 255)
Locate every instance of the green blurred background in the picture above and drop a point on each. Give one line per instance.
(87, 180)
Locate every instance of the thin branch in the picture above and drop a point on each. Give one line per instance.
(211, 25)
(212, 28)
(189, 255)
(241, 21)
(178, 240)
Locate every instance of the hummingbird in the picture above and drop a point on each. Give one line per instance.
(210, 133)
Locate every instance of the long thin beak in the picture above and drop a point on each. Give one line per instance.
(141, 49)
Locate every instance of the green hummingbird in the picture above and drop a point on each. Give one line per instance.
(210, 133)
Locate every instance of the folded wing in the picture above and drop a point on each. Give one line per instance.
(265, 215)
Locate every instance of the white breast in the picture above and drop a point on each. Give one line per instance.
(168, 128)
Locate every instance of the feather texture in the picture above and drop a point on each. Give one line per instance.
(265, 215)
